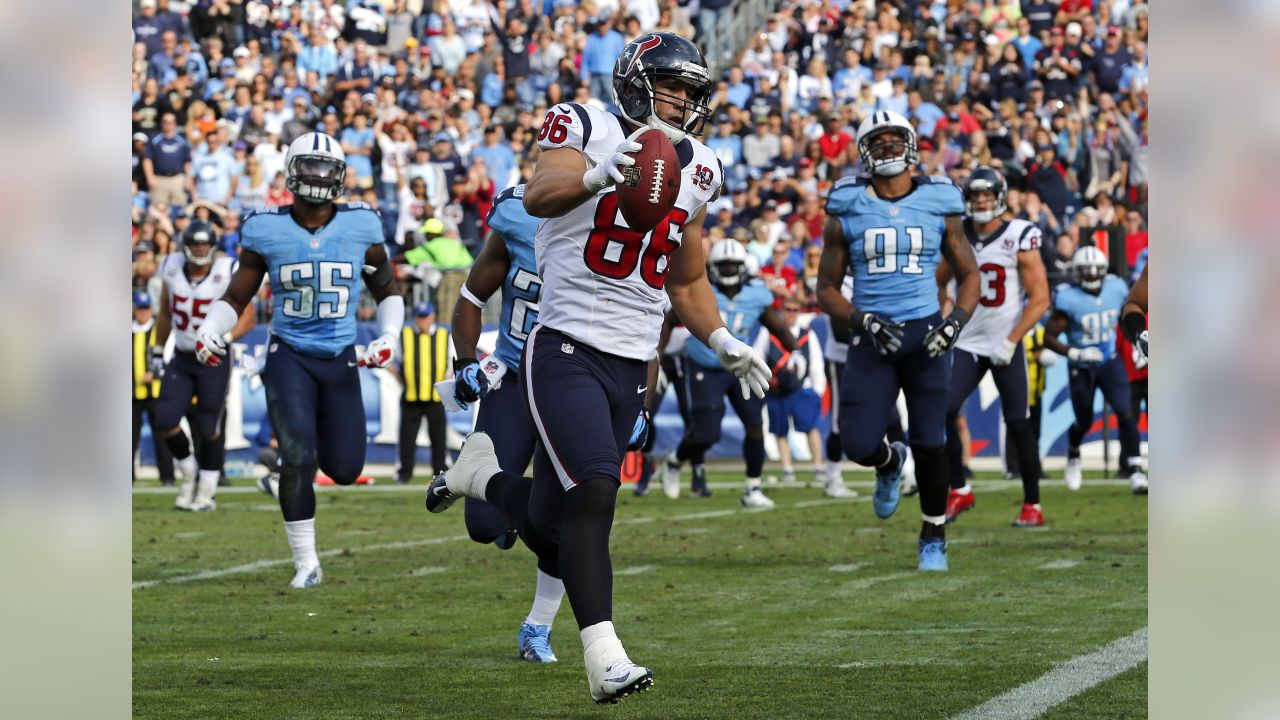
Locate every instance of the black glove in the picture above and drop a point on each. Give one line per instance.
(471, 383)
(940, 339)
(887, 336)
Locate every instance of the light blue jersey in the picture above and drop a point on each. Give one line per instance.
(315, 277)
(741, 314)
(521, 287)
(895, 245)
(1092, 318)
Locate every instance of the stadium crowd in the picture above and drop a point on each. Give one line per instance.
(438, 106)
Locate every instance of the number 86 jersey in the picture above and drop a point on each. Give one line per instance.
(602, 281)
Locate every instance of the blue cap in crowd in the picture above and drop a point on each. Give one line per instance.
(424, 309)
(443, 137)
(141, 299)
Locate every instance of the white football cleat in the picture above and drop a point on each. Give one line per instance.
(611, 682)
(671, 477)
(1073, 474)
(1138, 483)
(202, 505)
(468, 477)
(838, 489)
(307, 577)
(187, 489)
(908, 486)
(754, 498)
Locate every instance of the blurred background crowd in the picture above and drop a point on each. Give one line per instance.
(438, 104)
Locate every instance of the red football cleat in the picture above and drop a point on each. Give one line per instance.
(957, 503)
(1029, 517)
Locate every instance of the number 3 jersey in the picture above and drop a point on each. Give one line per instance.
(521, 286)
(895, 245)
(189, 301)
(1091, 319)
(602, 281)
(315, 277)
(1002, 298)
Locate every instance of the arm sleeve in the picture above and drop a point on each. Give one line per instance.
(817, 369)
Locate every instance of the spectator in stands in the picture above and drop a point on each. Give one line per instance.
(598, 56)
(214, 169)
(778, 274)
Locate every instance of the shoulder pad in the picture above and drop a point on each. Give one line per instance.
(843, 194)
(281, 210)
(353, 205)
(566, 125)
(932, 180)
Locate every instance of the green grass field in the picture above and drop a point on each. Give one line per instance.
(811, 610)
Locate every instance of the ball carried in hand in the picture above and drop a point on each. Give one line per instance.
(649, 189)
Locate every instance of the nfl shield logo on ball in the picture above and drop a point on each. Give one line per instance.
(631, 176)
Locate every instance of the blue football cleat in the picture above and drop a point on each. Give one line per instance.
(885, 499)
(535, 643)
(933, 554)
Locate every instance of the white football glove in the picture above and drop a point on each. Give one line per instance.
(606, 172)
(211, 347)
(1085, 356)
(1047, 358)
(155, 362)
(798, 364)
(379, 352)
(1003, 355)
(740, 359)
(1143, 348)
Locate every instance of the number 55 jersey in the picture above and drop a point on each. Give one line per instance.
(602, 281)
(895, 245)
(315, 276)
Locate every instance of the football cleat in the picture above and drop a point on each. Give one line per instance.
(933, 554)
(306, 577)
(699, 489)
(402, 480)
(1029, 517)
(535, 643)
(754, 498)
(1138, 483)
(1073, 474)
(885, 499)
(187, 490)
(618, 680)
(269, 484)
(642, 486)
(789, 475)
(819, 478)
(469, 475)
(203, 505)
(958, 503)
(837, 489)
(671, 477)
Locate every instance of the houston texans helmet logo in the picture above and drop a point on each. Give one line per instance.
(645, 45)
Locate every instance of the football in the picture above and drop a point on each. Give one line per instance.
(650, 187)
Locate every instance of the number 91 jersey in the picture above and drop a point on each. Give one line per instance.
(602, 281)
(189, 302)
(895, 245)
(315, 277)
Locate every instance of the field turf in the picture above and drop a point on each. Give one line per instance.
(812, 610)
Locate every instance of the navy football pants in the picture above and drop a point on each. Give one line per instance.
(318, 416)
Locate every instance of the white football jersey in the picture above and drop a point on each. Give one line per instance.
(602, 281)
(1002, 298)
(188, 302)
(833, 349)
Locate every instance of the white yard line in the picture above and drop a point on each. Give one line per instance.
(263, 564)
(636, 570)
(1060, 684)
(1059, 564)
(847, 568)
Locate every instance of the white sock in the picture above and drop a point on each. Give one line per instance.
(673, 460)
(207, 483)
(964, 490)
(302, 541)
(752, 484)
(546, 600)
(834, 473)
(935, 519)
(788, 470)
(1136, 464)
(600, 645)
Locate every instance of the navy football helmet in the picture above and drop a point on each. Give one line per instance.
(658, 56)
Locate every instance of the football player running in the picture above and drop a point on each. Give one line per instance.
(316, 253)
(585, 367)
(1087, 310)
(890, 230)
(745, 304)
(193, 279)
(506, 262)
(1015, 295)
